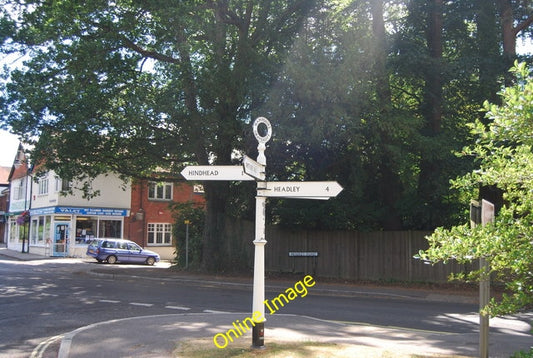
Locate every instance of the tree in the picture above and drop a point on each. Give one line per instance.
(504, 153)
(189, 221)
(515, 17)
(140, 87)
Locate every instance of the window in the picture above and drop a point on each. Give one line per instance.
(110, 228)
(65, 185)
(133, 247)
(13, 230)
(20, 189)
(160, 191)
(159, 234)
(57, 184)
(40, 229)
(43, 186)
(85, 229)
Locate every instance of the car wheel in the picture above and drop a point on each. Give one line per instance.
(111, 259)
(150, 261)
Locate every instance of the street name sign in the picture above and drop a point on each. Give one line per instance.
(303, 254)
(215, 172)
(302, 190)
(253, 168)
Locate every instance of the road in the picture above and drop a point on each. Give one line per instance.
(47, 298)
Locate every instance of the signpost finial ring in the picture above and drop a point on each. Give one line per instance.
(266, 137)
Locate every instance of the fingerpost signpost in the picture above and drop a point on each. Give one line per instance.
(256, 170)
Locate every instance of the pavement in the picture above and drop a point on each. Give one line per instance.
(160, 336)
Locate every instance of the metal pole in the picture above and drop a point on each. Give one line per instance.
(187, 243)
(487, 216)
(484, 295)
(258, 331)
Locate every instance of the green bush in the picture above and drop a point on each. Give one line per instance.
(523, 354)
(195, 216)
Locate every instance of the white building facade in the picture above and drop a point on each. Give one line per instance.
(46, 221)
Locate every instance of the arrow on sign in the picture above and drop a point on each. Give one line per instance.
(253, 168)
(215, 172)
(301, 190)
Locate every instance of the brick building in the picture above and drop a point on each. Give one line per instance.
(150, 221)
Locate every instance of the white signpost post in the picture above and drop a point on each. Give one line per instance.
(256, 170)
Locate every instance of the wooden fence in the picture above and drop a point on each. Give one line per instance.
(384, 255)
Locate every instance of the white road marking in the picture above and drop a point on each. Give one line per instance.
(41, 348)
(110, 301)
(141, 304)
(177, 308)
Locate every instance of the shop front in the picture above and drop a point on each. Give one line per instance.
(66, 231)
(18, 228)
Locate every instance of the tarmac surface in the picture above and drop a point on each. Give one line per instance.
(163, 333)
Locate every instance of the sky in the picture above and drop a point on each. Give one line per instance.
(8, 148)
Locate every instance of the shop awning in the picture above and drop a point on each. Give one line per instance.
(70, 210)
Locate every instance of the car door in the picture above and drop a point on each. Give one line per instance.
(123, 254)
(135, 253)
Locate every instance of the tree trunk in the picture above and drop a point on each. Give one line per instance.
(389, 183)
(509, 34)
(508, 30)
(490, 68)
(429, 180)
(380, 59)
(214, 230)
(434, 76)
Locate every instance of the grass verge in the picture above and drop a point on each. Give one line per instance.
(203, 348)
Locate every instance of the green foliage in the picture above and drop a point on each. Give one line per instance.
(504, 152)
(195, 216)
(523, 354)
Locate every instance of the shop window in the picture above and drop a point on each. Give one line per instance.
(160, 191)
(23, 232)
(159, 234)
(47, 228)
(110, 229)
(13, 230)
(85, 229)
(40, 229)
(34, 230)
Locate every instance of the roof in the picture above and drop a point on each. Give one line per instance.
(4, 175)
(20, 165)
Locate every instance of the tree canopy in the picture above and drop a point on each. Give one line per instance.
(504, 155)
